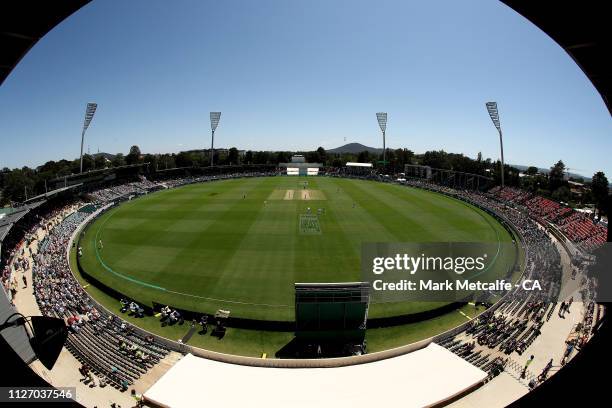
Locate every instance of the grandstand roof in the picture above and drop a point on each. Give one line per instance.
(24, 23)
(8, 220)
(421, 378)
(89, 173)
(16, 337)
(582, 29)
(52, 193)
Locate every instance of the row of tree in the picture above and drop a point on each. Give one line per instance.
(17, 184)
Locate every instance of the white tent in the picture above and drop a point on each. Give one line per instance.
(421, 378)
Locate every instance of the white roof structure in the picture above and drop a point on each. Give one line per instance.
(422, 378)
(355, 164)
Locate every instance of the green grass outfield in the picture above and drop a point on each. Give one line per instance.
(204, 247)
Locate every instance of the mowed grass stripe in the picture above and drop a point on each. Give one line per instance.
(262, 258)
(354, 221)
(465, 223)
(432, 224)
(121, 245)
(203, 268)
(398, 224)
(222, 236)
(330, 256)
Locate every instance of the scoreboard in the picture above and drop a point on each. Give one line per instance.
(326, 312)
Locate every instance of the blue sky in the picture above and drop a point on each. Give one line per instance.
(293, 74)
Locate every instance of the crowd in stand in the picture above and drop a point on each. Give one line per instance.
(122, 191)
(14, 246)
(366, 173)
(581, 229)
(111, 349)
(181, 181)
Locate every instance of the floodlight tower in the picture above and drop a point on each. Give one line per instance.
(89, 113)
(382, 122)
(494, 114)
(214, 122)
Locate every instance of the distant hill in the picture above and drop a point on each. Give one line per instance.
(354, 148)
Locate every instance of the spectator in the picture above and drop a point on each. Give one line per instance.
(137, 397)
(527, 364)
(545, 371)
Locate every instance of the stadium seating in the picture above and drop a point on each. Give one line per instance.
(95, 337)
(577, 227)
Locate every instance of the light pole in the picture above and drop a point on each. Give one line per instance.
(494, 114)
(382, 122)
(214, 122)
(89, 113)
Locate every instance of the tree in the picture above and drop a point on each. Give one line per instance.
(312, 157)
(88, 162)
(322, 155)
(436, 159)
(512, 176)
(134, 155)
(166, 161)
(184, 159)
(248, 157)
(556, 176)
(599, 188)
(398, 158)
(134, 151)
(261, 158)
(364, 157)
(283, 157)
(232, 156)
(531, 171)
(562, 194)
(100, 162)
(152, 159)
(118, 160)
(17, 182)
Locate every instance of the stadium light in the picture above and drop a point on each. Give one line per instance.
(214, 122)
(494, 114)
(382, 122)
(89, 113)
